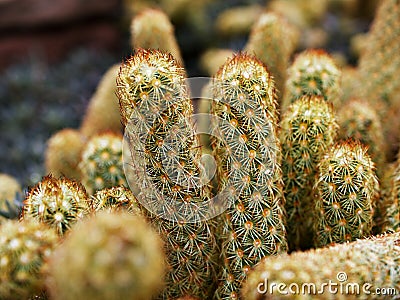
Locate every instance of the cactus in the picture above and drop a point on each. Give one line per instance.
(115, 199)
(379, 66)
(10, 194)
(58, 203)
(104, 99)
(273, 40)
(313, 72)
(213, 58)
(165, 159)
(359, 121)
(63, 153)
(121, 258)
(346, 191)
(354, 270)
(24, 248)
(151, 29)
(308, 130)
(101, 162)
(248, 160)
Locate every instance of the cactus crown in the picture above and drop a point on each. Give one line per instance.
(56, 202)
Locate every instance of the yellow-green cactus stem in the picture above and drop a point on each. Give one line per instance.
(213, 58)
(313, 72)
(101, 162)
(346, 191)
(104, 99)
(152, 29)
(63, 153)
(359, 121)
(58, 203)
(165, 158)
(308, 131)
(362, 269)
(388, 215)
(273, 40)
(108, 256)
(24, 248)
(115, 199)
(247, 151)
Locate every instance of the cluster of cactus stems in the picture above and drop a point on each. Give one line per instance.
(355, 270)
(346, 191)
(313, 72)
(101, 162)
(121, 258)
(58, 203)
(247, 151)
(308, 131)
(24, 249)
(164, 153)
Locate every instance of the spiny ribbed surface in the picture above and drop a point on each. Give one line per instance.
(313, 72)
(389, 201)
(151, 29)
(248, 158)
(308, 130)
(165, 161)
(101, 162)
(363, 266)
(346, 191)
(58, 203)
(24, 248)
(273, 40)
(115, 199)
(108, 256)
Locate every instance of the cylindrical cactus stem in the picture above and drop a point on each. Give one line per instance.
(308, 131)
(63, 153)
(58, 203)
(108, 256)
(101, 162)
(359, 121)
(354, 270)
(313, 72)
(165, 159)
(273, 40)
(346, 191)
(247, 151)
(24, 249)
(152, 29)
(10, 194)
(103, 100)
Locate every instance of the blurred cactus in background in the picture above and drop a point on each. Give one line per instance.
(308, 131)
(10, 197)
(101, 162)
(121, 258)
(24, 249)
(273, 40)
(63, 153)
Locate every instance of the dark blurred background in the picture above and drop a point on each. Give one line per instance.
(54, 52)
